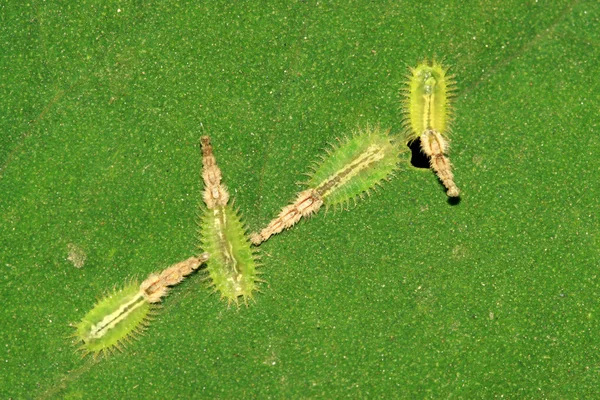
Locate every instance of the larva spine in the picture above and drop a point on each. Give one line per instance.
(428, 115)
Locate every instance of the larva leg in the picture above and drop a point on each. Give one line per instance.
(308, 202)
(434, 146)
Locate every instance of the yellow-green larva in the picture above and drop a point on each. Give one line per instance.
(232, 266)
(347, 172)
(355, 166)
(427, 103)
(428, 114)
(124, 312)
(232, 269)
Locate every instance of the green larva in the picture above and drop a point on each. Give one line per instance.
(232, 266)
(117, 317)
(348, 171)
(428, 115)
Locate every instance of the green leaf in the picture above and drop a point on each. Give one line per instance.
(404, 295)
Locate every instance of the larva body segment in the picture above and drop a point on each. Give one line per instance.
(124, 312)
(347, 172)
(427, 117)
(232, 266)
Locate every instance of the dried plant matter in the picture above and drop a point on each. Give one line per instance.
(156, 285)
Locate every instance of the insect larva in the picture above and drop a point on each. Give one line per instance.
(427, 117)
(348, 171)
(232, 266)
(124, 312)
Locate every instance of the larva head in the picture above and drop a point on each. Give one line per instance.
(426, 105)
(355, 166)
(113, 320)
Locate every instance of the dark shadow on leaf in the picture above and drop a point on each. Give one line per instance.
(418, 159)
(453, 201)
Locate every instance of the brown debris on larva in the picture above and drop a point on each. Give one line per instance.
(434, 146)
(156, 285)
(307, 203)
(215, 193)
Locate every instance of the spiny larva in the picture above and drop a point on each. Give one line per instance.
(232, 265)
(347, 172)
(124, 312)
(427, 117)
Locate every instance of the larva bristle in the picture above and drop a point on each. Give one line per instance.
(119, 346)
(206, 278)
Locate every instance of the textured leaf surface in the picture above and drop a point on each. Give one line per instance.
(403, 295)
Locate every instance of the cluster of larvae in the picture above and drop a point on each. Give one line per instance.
(348, 171)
